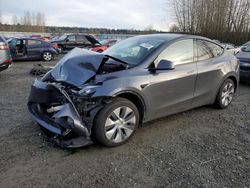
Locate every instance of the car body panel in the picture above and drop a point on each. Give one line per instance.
(5, 57)
(161, 92)
(83, 63)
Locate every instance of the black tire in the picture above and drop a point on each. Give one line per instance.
(100, 129)
(47, 56)
(219, 100)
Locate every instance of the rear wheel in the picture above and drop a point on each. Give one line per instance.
(47, 56)
(226, 94)
(116, 122)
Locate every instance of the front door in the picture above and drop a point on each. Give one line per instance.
(70, 42)
(172, 91)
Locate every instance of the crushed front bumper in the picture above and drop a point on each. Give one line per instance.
(51, 107)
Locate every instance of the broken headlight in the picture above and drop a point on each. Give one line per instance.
(88, 90)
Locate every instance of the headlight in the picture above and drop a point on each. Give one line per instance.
(88, 90)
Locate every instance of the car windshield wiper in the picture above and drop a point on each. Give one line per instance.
(116, 59)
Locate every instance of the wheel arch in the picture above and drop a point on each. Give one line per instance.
(136, 99)
(233, 76)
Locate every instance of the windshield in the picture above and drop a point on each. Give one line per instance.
(63, 37)
(134, 50)
(246, 44)
(247, 49)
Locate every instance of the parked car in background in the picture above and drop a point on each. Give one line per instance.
(105, 44)
(5, 57)
(28, 48)
(244, 57)
(230, 47)
(70, 41)
(246, 44)
(105, 96)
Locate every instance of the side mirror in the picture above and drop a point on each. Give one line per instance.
(67, 40)
(164, 65)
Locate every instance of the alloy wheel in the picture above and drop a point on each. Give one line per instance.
(120, 124)
(47, 56)
(227, 94)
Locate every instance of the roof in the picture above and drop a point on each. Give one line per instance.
(171, 36)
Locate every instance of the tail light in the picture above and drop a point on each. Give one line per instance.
(4, 47)
(8, 61)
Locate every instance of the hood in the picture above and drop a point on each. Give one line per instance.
(77, 67)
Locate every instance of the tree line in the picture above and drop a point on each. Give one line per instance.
(28, 22)
(226, 20)
(35, 22)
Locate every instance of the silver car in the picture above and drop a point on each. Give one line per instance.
(104, 97)
(5, 57)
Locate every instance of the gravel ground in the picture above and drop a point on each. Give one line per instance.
(204, 147)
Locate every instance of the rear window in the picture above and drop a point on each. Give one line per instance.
(34, 42)
(203, 51)
(82, 38)
(215, 49)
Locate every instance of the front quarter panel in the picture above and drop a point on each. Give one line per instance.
(123, 82)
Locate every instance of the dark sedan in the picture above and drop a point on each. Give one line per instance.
(244, 57)
(32, 49)
(69, 41)
(105, 96)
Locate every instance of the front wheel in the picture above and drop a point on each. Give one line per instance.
(225, 94)
(47, 56)
(116, 122)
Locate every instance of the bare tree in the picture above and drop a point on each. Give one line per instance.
(213, 18)
(14, 20)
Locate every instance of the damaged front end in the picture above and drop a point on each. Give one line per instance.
(52, 108)
(61, 102)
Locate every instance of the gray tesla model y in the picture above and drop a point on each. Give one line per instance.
(103, 97)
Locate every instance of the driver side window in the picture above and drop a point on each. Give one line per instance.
(71, 38)
(180, 52)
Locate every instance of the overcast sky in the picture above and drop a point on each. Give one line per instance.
(118, 14)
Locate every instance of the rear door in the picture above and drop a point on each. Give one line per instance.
(208, 57)
(80, 41)
(34, 48)
(172, 91)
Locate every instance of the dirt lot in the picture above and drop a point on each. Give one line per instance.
(204, 147)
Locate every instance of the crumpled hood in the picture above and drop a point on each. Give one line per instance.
(77, 67)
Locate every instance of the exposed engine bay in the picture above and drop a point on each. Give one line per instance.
(61, 102)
